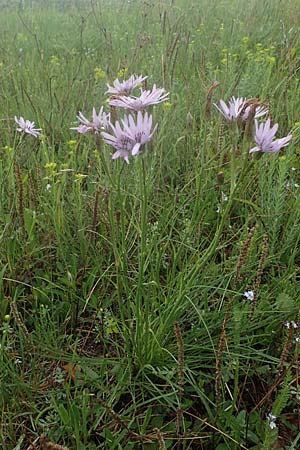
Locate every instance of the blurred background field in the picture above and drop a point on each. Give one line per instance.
(116, 281)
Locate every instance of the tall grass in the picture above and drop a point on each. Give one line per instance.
(124, 323)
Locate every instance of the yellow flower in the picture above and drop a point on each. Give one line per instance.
(21, 37)
(50, 165)
(271, 59)
(99, 74)
(79, 177)
(167, 105)
(72, 144)
(122, 72)
(7, 317)
(54, 60)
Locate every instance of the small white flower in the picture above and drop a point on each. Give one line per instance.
(249, 295)
(224, 197)
(290, 324)
(218, 209)
(48, 187)
(296, 185)
(271, 418)
(293, 169)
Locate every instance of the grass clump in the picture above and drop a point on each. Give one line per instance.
(152, 305)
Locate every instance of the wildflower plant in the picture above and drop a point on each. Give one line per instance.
(128, 138)
(232, 110)
(264, 138)
(146, 99)
(239, 108)
(120, 253)
(125, 87)
(100, 121)
(27, 127)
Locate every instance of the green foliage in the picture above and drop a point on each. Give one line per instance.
(99, 259)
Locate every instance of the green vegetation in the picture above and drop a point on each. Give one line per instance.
(123, 319)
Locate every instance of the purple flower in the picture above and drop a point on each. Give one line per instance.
(99, 122)
(264, 138)
(259, 112)
(128, 139)
(25, 126)
(125, 87)
(147, 98)
(234, 108)
(139, 132)
(239, 108)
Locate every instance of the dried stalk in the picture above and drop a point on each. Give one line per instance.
(180, 375)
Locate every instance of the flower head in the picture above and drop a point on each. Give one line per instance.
(249, 295)
(25, 126)
(128, 138)
(264, 138)
(240, 108)
(291, 324)
(271, 418)
(99, 122)
(147, 98)
(125, 87)
(259, 112)
(234, 108)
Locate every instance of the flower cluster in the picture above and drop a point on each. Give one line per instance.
(291, 324)
(241, 109)
(272, 420)
(134, 130)
(126, 136)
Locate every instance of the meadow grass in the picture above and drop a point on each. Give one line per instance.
(123, 319)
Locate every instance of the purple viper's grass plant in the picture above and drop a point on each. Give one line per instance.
(125, 87)
(147, 98)
(128, 138)
(27, 127)
(260, 111)
(233, 110)
(100, 121)
(239, 108)
(264, 138)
